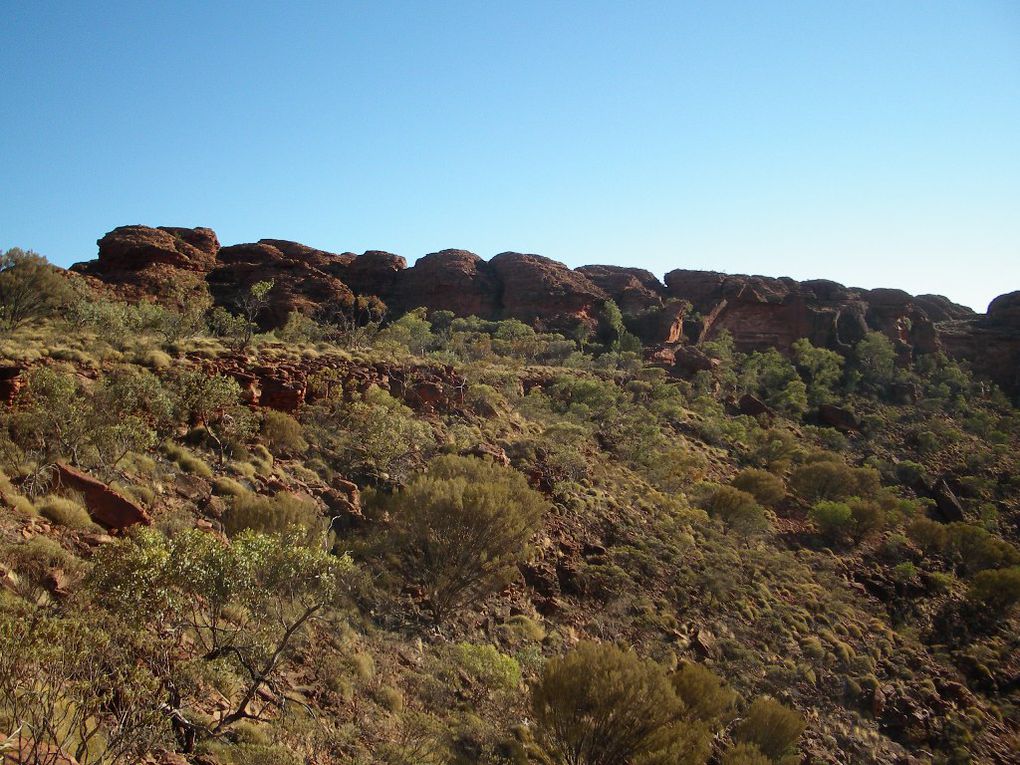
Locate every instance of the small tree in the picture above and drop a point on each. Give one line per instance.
(206, 400)
(461, 529)
(822, 369)
(203, 600)
(996, 589)
(30, 288)
(602, 705)
(876, 360)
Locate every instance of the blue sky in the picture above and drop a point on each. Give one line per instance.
(874, 143)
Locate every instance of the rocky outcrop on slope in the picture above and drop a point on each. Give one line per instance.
(545, 292)
(142, 262)
(449, 280)
(689, 308)
(303, 278)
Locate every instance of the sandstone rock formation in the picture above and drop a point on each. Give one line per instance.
(142, 262)
(108, 507)
(674, 317)
(301, 277)
(545, 292)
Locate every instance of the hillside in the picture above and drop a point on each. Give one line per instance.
(264, 503)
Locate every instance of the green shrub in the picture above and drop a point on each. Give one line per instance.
(283, 433)
(931, 536)
(64, 512)
(831, 479)
(461, 529)
(767, 488)
(833, 519)
(975, 548)
(602, 705)
(187, 461)
(485, 665)
(703, 693)
(771, 727)
(30, 288)
(271, 515)
(34, 559)
(736, 509)
(997, 589)
(228, 487)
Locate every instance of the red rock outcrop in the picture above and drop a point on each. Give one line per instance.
(12, 380)
(302, 278)
(759, 312)
(991, 343)
(108, 507)
(143, 262)
(374, 272)
(545, 292)
(449, 280)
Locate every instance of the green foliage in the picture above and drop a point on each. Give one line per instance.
(821, 368)
(745, 754)
(771, 727)
(875, 360)
(487, 667)
(75, 684)
(833, 519)
(767, 488)
(602, 705)
(996, 589)
(373, 435)
(461, 529)
(187, 460)
(737, 509)
(283, 433)
(770, 375)
(248, 601)
(30, 288)
(64, 512)
(271, 515)
(412, 333)
(834, 480)
(703, 693)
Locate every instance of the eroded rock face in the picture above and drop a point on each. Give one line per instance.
(143, 262)
(450, 280)
(301, 277)
(545, 292)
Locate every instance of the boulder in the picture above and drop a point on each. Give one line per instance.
(633, 289)
(948, 506)
(107, 507)
(133, 248)
(838, 417)
(12, 380)
(752, 406)
(374, 272)
(140, 262)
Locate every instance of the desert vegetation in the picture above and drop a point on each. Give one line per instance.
(423, 538)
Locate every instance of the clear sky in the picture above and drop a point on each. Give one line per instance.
(874, 143)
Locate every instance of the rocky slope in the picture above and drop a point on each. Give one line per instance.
(689, 308)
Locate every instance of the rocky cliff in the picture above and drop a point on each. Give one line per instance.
(690, 307)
